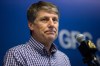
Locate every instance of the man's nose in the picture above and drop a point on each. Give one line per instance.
(51, 22)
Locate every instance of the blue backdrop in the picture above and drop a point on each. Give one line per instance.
(76, 16)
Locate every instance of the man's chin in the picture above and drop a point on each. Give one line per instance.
(52, 38)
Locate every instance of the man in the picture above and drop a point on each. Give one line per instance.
(40, 50)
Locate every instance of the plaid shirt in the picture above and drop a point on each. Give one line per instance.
(34, 53)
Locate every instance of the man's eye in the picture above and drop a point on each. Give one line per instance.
(55, 19)
(43, 19)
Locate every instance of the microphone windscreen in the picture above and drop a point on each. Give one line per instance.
(80, 38)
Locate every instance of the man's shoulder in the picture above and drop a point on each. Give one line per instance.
(62, 53)
(58, 51)
(18, 47)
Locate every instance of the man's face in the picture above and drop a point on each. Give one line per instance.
(45, 26)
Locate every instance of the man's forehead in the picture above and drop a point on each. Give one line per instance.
(46, 13)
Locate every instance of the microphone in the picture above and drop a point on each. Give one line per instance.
(86, 47)
(87, 50)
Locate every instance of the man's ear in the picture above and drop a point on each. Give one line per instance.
(30, 25)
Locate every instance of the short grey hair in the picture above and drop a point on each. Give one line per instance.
(41, 5)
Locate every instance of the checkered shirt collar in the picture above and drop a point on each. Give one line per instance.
(40, 47)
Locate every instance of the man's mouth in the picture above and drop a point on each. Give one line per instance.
(50, 32)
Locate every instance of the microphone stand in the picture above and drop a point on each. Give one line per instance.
(88, 50)
(91, 60)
